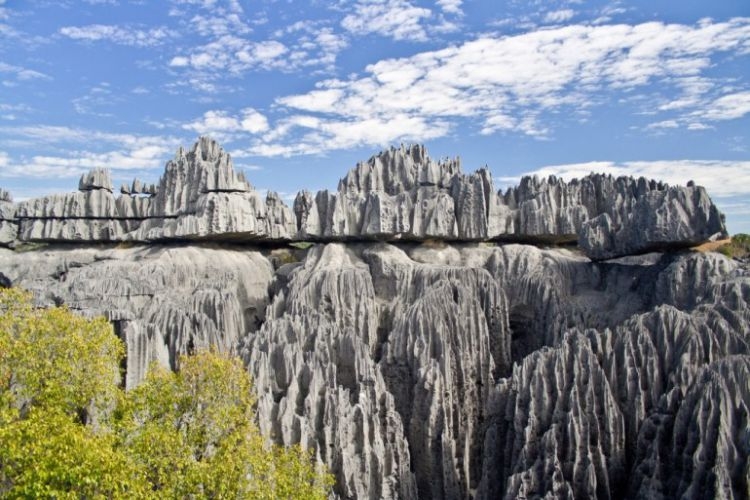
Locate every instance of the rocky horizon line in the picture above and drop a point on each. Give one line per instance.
(398, 194)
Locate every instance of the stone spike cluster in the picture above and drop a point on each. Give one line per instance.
(451, 370)
(475, 367)
(400, 194)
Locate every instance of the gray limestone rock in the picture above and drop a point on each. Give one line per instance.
(676, 216)
(444, 362)
(313, 363)
(8, 225)
(98, 178)
(403, 194)
(697, 446)
(449, 339)
(199, 196)
(441, 370)
(163, 301)
(400, 194)
(556, 430)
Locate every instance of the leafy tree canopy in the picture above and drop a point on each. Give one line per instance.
(67, 429)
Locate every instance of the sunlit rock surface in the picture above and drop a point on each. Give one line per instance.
(451, 371)
(434, 343)
(399, 194)
(8, 226)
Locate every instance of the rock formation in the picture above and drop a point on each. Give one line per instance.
(8, 226)
(400, 194)
(425, 347)
(199, 196)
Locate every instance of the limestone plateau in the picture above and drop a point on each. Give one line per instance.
(440, 339)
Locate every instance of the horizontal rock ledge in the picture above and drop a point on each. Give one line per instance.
(401, 194)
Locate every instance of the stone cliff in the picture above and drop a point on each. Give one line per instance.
(400, 194)
(424, 348)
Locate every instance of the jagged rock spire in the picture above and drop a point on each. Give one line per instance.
(400, 193)
(97, 178)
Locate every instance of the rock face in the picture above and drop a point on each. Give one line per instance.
(8, 227)
(403, 194)
(656, 219)
(96, 179)
(416, 350)
(400, 194)
(452, 370)
(199, 196)
(162, 301)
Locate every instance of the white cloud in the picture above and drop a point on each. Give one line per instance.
(253, 121)
(398, 19)
(451, 6)
(506, 83)
(665, 124)
(224, 126)
(4, 159)
(728, 107)
(234, 54)
(608, 13)
(125, 152)
(304, 45)
(228, 50)
(559, 16)
(699, 104)
(230, 5)
(314, 45)
(96, 100)
(226, 23)
(22, 74)
(179, 62)
(721, 178)
(117, 34)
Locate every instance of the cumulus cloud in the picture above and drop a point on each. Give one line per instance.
(398, 19)
(230, 49)
(224, 126)
(508, 83)
(664, 124)
(121, 35)
(720, 177)
(234, 54)
(314, 44)
(401, 19)
(701, 104)
(226, 23)
(451, 6)
(119, 152)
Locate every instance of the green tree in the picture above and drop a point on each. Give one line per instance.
(48, 455)
(193, 433)
(52, 358)
(67, 429)
(59, 371)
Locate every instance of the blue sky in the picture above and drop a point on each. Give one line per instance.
(299, 91)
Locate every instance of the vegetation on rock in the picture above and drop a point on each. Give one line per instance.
(67, 429)
(738, 248)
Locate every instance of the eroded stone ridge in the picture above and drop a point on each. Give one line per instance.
(399, 194)
(8, 226)
(97, 178)
(442, 371)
